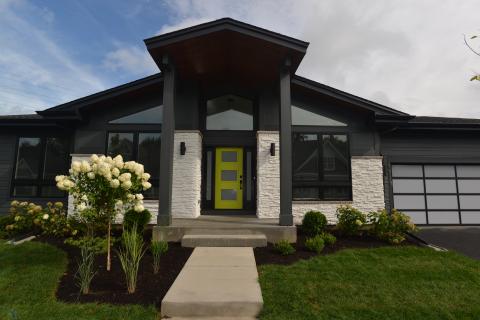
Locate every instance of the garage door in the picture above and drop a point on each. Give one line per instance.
(437, 194)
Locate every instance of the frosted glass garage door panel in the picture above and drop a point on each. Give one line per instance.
(471, 217)
(405, 170)
(440, 186)
(443, 217)
(439, 171)
(409, 202)
(470, 202)
(407, 186)
(442, 202)
(417, 217)
(468, 171)
(469, 186)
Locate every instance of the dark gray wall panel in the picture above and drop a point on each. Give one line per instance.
(7, 156)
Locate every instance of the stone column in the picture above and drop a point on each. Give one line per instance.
(268, 175)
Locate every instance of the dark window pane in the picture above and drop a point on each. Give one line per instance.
(467, 171)
(439, 171)
(336, 160)
(306, 116)
(120, 143)
(229, 112)
(441, 186)
(336, 193)
(25, 191)
(229, 156)
(150, 116)
(56, 157)
(51, 191)
(401, 170)
(28, 158)
(228, 194)
(248, 178)
(305, 157)
(305, 193)
(407, 185)
(149, 153)
(229, 175)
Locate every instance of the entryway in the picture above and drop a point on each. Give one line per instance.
(228, 178)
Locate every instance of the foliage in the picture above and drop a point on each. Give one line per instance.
(4, 222)
(328, 238)
(158, 248)
(141, 219)
(284, 247)
(314, 222)
(391, 227)
(130, 255)
(85, 271)
(50, 220)
(350, 220)
(103, 188)
(315, 244)
(96, 244)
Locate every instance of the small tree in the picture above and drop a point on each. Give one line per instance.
(104, 187)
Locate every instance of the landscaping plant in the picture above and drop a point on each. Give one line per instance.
(96, 244)
(158, 248)
(350, 220)
(328, 238)
(130, 255)
(105, 187)
(85, 272)
(141, 219)
(314, 222)
(315, 244)
(284, 247)
(391, 227)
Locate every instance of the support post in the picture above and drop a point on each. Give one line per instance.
(286, 217)
(164, 217)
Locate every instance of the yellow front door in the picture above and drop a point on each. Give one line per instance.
(228, 178)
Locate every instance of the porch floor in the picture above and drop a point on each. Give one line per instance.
(227, 225)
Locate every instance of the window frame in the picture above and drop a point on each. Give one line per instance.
(155, 181)
(320, 131)
(39, 182)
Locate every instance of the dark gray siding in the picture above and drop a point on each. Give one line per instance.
(427, 147)
(7, 156)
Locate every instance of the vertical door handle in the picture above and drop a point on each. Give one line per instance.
(241, 182)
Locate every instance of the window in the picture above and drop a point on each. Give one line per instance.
(229, 112)
(143, 147)
(38, 161)
(301, 116)
(437, 194)
(150, 116)
(321, 167)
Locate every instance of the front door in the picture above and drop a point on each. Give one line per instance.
(228, 178)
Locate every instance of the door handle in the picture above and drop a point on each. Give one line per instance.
(241, 182)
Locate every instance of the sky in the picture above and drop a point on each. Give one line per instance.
(406, 54)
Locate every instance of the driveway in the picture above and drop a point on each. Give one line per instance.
(465, 240)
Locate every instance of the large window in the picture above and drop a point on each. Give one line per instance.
(321, 167)
(437, 194)
(38, 161)
(143, 147)
(229, 112)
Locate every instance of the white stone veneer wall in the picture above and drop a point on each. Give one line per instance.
(367, 191)
(268, 175)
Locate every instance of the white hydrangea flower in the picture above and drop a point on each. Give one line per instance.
(76, 165)
(91, 175)
(145, 176)
(139, 196)
(82, 206)
(115, 172)
(45, 216)
(94, 158)
(115, 183)
(85, 166)
(127, 184)
(130, 196)
(139, 208)
(59, 178)
(146, 185)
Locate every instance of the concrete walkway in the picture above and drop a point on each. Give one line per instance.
(216, 282)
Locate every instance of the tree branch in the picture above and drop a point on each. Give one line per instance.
(468, 45)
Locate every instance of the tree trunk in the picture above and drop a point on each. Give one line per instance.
(109, 262)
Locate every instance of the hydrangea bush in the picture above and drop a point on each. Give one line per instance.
(104, 187)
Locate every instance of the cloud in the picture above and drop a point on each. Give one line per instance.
(130, 59)
(35, 71)
(407, 54)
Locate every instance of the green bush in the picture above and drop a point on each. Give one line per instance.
(140, 219)
(284, 247)
(328, 238)
(350, 220)
(4, 222)
(158, 248)
(315, 244)
(96, 244)
(314, 222)
(390, 227)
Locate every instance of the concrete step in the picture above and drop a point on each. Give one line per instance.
(194, 240)
(215, 283)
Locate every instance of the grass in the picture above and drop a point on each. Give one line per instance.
(383, 283)
(29, 274)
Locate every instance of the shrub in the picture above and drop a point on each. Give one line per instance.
(284, 247)
(390, 227)
(130, 255)
(328, 238)
(85, 272)
(4, 222)
(158, 248)
(140, 219)
(314, 222)
(350, 220)
(96, 244)
(315, 244)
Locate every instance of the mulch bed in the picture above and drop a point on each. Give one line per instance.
(268, 255)
(109, 286)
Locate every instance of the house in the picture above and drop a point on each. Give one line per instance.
(227, 127)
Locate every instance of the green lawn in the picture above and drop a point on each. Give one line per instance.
(28, 277)
(384, 283)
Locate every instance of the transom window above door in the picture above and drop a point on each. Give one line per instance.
(229, 112)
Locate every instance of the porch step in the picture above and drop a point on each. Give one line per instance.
(215, 283)
(230, 239)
